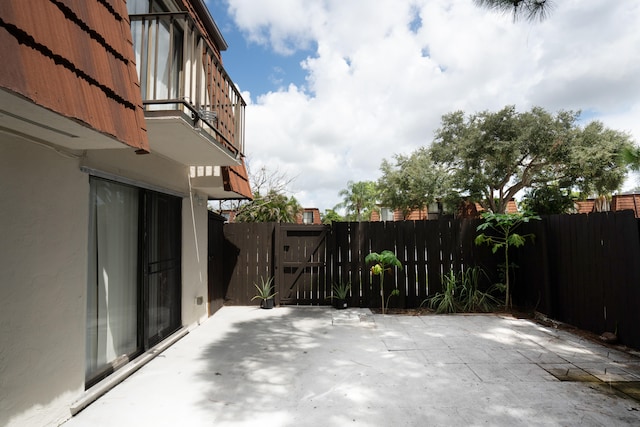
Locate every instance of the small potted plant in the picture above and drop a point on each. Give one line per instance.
(340, 294)
(265, 292)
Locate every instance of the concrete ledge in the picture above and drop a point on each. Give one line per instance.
(98, 390)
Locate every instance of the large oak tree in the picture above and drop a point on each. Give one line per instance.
(411, 183)
(491, 156)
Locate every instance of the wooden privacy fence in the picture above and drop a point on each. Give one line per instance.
(305, 261)
(582, 269)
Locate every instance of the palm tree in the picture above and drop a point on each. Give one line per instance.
(359, 199)
(631, 157)
(531, 10)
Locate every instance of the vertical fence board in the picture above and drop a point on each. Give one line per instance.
(421, 259)
(409, 251)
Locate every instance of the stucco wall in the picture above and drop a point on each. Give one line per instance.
(44, 210)
(194, 259)
(43, 264)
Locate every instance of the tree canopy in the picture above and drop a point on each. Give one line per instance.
(330, 215)
(270, 201)
(271, 207)
(531, 10)
(548, 200)
(491, 156)
(411, 183)
(359, 200)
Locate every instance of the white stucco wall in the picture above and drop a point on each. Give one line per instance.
(43, 264)
(194, 259)
(44, 210)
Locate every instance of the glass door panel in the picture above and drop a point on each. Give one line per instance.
(112, 291)
(163, 269)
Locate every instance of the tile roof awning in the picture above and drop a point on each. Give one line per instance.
(236, 180)
(75, 62)
(222, 183)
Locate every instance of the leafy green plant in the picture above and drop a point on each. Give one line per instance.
(394, 293)
(461, 293)
(471, 298)
(341, 290)
(503, 237)
(264, 289)
(383, 262)
(445, 302)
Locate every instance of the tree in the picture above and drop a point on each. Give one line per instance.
(270, 200)
(531, 10)
(490, 157)
(631, 157)
(330, 215)
(359, 200)
(549, 200)
(502, 237)
(272, 207)
(411, 183)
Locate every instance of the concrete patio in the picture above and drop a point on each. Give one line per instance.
(316, 366)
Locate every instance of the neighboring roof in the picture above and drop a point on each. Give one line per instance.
(317, 219)
(236, 179)
(512, 207)
(585, 206)
(622, 202)
(75, 57)
(415, 215)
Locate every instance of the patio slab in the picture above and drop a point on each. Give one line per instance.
(317, 366)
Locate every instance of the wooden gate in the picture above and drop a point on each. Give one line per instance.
(301, 255)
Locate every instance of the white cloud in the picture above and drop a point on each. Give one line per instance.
(378, 82)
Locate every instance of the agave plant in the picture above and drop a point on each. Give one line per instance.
(383, 262)
(341, 290)
(264, 290)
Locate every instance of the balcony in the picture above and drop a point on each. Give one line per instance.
(193, 111)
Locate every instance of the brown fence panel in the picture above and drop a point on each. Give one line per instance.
(584, 270)
(248, 254)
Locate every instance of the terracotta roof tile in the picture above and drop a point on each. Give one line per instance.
(236, 179)
(623, 202)
(584, 206)
(76, 58)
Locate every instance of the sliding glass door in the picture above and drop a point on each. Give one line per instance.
(162, 266)
(134, 277)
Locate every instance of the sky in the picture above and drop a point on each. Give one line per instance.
(333, 87)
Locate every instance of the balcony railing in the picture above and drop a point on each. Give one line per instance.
(179, 71)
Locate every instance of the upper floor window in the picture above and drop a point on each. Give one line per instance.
(307, 218)
(158, 45)
(386, 214)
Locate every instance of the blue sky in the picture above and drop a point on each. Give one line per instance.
(335, 86)
(254, 67)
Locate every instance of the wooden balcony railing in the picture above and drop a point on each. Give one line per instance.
(179, 70)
